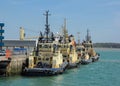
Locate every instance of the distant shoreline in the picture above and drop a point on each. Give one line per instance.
(104, 48)
(107, 45)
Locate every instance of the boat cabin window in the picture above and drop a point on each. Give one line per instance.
(83, 49)
(90, 41)
(51, 58)
(91, 46)
(49, 46)
(65, 46)
(45, 46)
(47, 59)
(39, 58)
(40, 46)
(55, 47)
(78, 49)
(71, 47)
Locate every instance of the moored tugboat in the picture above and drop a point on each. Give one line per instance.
(53, 54)
(89, 54)
(48, 58)
(48, 62)
(69, 49)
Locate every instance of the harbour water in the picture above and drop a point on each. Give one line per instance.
(104, 72)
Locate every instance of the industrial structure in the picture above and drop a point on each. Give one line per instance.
(10, 44)
(1, 35)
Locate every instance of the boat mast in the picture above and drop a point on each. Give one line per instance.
(47, 29)
(88, 37)
(78, 38)
(65, 32)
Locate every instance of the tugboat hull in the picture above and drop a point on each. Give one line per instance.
(84, 62)
(3, 67)
(92, 59)
(42, 71)
(73, 65)
(4, 64)
(96, 58)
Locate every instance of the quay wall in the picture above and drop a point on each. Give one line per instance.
(16, 65)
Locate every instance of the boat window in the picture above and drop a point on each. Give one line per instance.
(70, 47)
(90, 41)
(45, 46)
(83, 49)
(64, 55)
(47, 59)
(91, 46)
(59, 46)
(39, 58)
(51, 58)
(40, 46)
(78, 49)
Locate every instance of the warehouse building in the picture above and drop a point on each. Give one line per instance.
(11, 44)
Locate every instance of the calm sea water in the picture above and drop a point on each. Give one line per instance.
(105, 72)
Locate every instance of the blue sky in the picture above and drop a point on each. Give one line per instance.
(101, 17)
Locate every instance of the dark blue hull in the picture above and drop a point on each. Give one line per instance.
(3, 67)
(73, 65)
(92, 59)
(4, 63)
(84, 62)
(96, 58)
(42, 71)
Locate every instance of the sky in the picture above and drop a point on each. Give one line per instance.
(101, 17)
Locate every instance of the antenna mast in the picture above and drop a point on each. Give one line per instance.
(47, 29)
(88, 37)
(65, 32)
(78, 38)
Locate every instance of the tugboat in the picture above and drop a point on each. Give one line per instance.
(49, 61)
(48, 58)
(53, 54)
(89, 54)
(69, 49)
